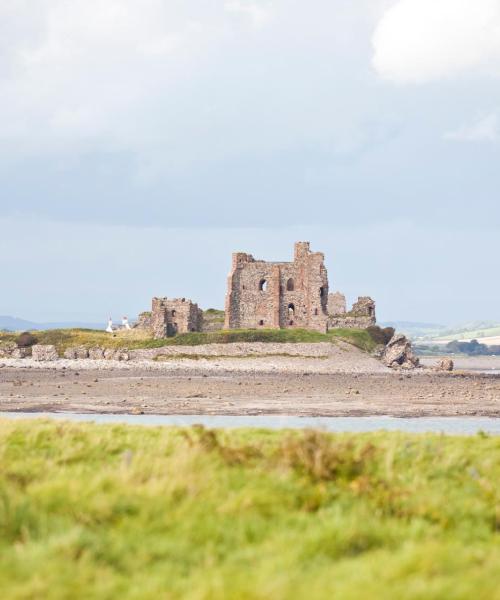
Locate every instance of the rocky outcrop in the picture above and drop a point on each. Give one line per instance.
(109, 353)
(7, 349)
(445, 364)
(378, 351)
(44, 352)
(11, 350)
(22, 352)
(398, 353)
(96, 353)
(76, 352)
(116, 354)
(122, 355)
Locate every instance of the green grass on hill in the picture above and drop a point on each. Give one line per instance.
(214, 315)
(471, 334)
(94, 511)
(476, 329)
(65, 338)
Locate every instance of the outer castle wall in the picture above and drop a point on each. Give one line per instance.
(361, 315)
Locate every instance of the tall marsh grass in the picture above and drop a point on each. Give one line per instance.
(109, 511)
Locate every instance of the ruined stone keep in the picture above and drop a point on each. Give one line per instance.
(266, 295)
(276, 295)
(170, 316)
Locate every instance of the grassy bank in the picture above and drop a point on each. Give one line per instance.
(65, 338)
(92, 511)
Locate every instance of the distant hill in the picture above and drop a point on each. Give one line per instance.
(487, 332)
(471, 329)
(415, 329)
(16, 324)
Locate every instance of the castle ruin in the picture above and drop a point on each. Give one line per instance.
(361, 315)
(266, 295)
(278, 295)
(170, 316)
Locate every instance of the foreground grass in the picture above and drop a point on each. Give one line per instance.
(65, 338)
(92, 511)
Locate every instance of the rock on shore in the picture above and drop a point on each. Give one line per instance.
(44, 352)
(445, 364)
(399, 354)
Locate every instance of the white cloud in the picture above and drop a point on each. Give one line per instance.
(84, 69)
(485, 129)
(258, 13)
(174, 82)
(417, 41)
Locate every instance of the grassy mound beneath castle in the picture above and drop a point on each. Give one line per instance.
(94, 511)
(134, 339)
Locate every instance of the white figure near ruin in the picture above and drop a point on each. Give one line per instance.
(109, 328)
(125, 323)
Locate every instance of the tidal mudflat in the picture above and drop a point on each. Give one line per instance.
(200, 387)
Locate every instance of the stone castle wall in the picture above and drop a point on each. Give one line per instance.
(361, 315)
(265, 295)
(273, 295)
(337, 304)
(170, 316)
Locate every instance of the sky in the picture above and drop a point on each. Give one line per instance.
(144, 141)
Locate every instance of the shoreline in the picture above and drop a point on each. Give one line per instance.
(381, 424)
(247, 390)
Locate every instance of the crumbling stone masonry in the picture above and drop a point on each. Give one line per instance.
(169, 316)
(337, 304)
(361, 315)
(294, 294)
(267, 295)
(277, 295)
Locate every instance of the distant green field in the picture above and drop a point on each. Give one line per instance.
(476, 329)
(471, 334)
(93, 511)
(65, 338)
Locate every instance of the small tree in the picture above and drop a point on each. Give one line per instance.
(379, 335)
(26, 339)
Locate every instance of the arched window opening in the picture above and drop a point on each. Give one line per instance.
(173, 313)
(261, 322)
(316, 311)
(290, 286)
(263, 285)
(291, 310)
(370, 311)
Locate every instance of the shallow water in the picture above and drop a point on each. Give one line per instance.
(450, 425)
(489, 365)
